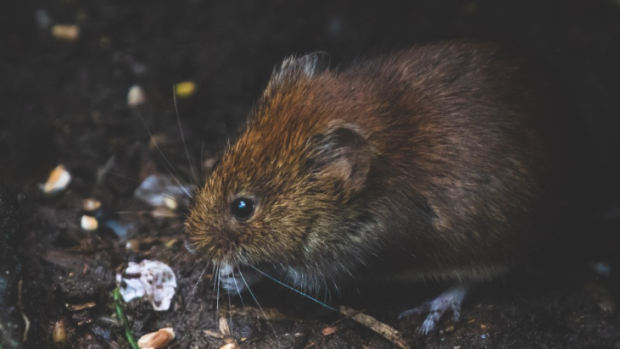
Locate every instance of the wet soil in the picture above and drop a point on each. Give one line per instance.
(65, 102)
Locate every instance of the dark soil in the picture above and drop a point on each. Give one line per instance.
(66, 103)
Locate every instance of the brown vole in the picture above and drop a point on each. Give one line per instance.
(444, 161)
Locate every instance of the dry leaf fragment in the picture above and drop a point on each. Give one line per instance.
(156, 340)
(329, 330)
(224, 329)
(213, 334)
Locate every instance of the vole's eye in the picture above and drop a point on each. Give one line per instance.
(242, 208)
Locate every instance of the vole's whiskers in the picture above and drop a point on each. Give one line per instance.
(258, 304)
(176, 109)
(230, 313)
(217, 298)
(192, 295)
(184, 275)
(292, 288)
(200, 173)
(170, 166)
(238, 290)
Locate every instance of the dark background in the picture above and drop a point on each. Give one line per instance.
(65, 102)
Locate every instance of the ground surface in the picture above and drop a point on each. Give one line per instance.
(65, 102)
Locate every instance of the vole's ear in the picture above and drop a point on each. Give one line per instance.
(309, 65)
(342, 154)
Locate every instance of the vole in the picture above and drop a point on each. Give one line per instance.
(445, 161)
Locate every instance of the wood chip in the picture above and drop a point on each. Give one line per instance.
(388, 332)
(156, 340)
(228, 346)
(57, 181)
(66, 32)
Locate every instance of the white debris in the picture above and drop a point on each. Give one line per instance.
(136, 96)
(89, 223)
(161, 191)
(57, 181)
(151, 279)
(156, 340)
(601, 268)
(43, 18)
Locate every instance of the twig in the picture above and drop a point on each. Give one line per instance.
(21, 310)
(386, 331)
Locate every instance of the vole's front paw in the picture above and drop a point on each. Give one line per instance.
(449, 300)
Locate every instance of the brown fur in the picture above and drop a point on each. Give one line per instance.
(443, 160)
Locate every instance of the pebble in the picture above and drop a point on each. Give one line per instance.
(135, 96)
(89, 223)
(57, 181)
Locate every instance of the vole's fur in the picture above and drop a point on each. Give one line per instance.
(445, 161)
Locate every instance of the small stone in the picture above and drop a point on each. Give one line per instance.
(91, 205)
(171, 203)
(136, 96)
(89, 223)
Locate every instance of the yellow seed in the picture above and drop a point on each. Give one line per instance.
(185, 89)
